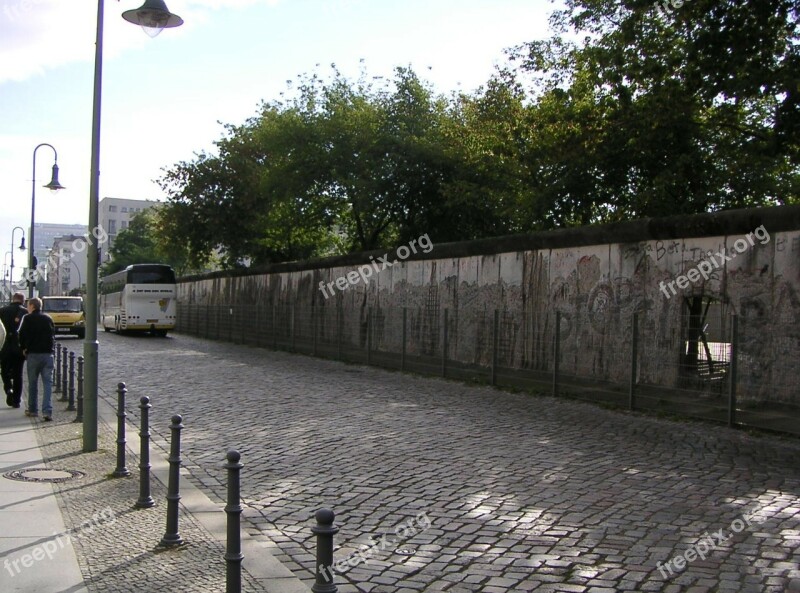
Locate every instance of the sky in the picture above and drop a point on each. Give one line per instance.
(164, 99)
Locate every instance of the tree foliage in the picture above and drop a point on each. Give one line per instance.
(628, 110)
(148, 238)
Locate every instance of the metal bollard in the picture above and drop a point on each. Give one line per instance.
(145, 499)
(79, 416)
(171, 536)
(63, 397)
(71, 404)
(233, 553)
(121, 471)
(57, 369)
(324, 530)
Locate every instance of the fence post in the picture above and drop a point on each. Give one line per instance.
(314, 327)
(71, 404)
(732, 370)
(218, 335)
(495, 345)
(556, 352)
(339, 331)
(258, 326)
(233, 552)
(274, 330)
(57, 369)
(294, 325)
(121, 470)
(369, 335)
(403, 351)
(79, 416)
(324, 530)
(634, 348)
(171, 536)
(444, 344)
(145, 499)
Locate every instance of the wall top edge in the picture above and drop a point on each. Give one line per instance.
(723, 223)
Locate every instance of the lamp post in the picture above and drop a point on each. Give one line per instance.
(77, 269)
(153, 15)
(5, 272)
(54, 186)
(21, 248)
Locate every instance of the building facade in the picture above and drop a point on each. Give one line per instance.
(114, 215)
(66, 265)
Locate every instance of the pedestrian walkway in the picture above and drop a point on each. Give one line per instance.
(83, 533)
(35, 549)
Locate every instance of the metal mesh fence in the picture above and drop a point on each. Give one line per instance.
(715, 366)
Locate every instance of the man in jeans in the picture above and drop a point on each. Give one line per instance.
(37, 339)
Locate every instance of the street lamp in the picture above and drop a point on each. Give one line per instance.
(21, 247)
(77, 269)
(53, 186)
(152, 14)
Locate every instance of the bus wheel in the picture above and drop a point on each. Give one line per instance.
(161, 333)
(106, 329)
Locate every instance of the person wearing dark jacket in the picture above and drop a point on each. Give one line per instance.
(11, 359)
(37, 339)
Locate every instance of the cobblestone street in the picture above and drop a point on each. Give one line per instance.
(523, 493)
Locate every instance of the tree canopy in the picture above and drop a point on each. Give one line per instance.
(627, 110)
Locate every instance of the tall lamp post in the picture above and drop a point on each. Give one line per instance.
(152, 16)
(21, 247)
(53, 186)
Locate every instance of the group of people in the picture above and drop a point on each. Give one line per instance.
(29, 340)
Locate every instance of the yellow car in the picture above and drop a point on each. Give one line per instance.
(67, 314)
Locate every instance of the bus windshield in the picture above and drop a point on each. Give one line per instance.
(154, 275)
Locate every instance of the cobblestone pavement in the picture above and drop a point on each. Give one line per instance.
(523, 493)
(117, 545)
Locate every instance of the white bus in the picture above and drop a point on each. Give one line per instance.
(141, 298)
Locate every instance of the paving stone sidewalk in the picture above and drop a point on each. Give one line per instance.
(116, 544)
(524, 493)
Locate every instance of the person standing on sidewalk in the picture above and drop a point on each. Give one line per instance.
(37, 339)
(11, 359)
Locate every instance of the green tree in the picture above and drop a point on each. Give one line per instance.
(144, 241)
(662, 113)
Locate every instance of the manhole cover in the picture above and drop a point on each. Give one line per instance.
(43, 475)
(406, 551)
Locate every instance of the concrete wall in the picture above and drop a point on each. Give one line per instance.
(596, 277)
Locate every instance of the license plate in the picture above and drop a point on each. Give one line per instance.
(62, 329)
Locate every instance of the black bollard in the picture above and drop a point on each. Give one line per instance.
(79, 416)
(63, 397)
(233, 553)
(57, 369)
(171, 536)
(121, 471)
(324, 530)
(71, 404)
(145, 499)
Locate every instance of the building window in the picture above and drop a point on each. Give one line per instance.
(112, 208)
(123, 224)
(124, 209)
(112, 226)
